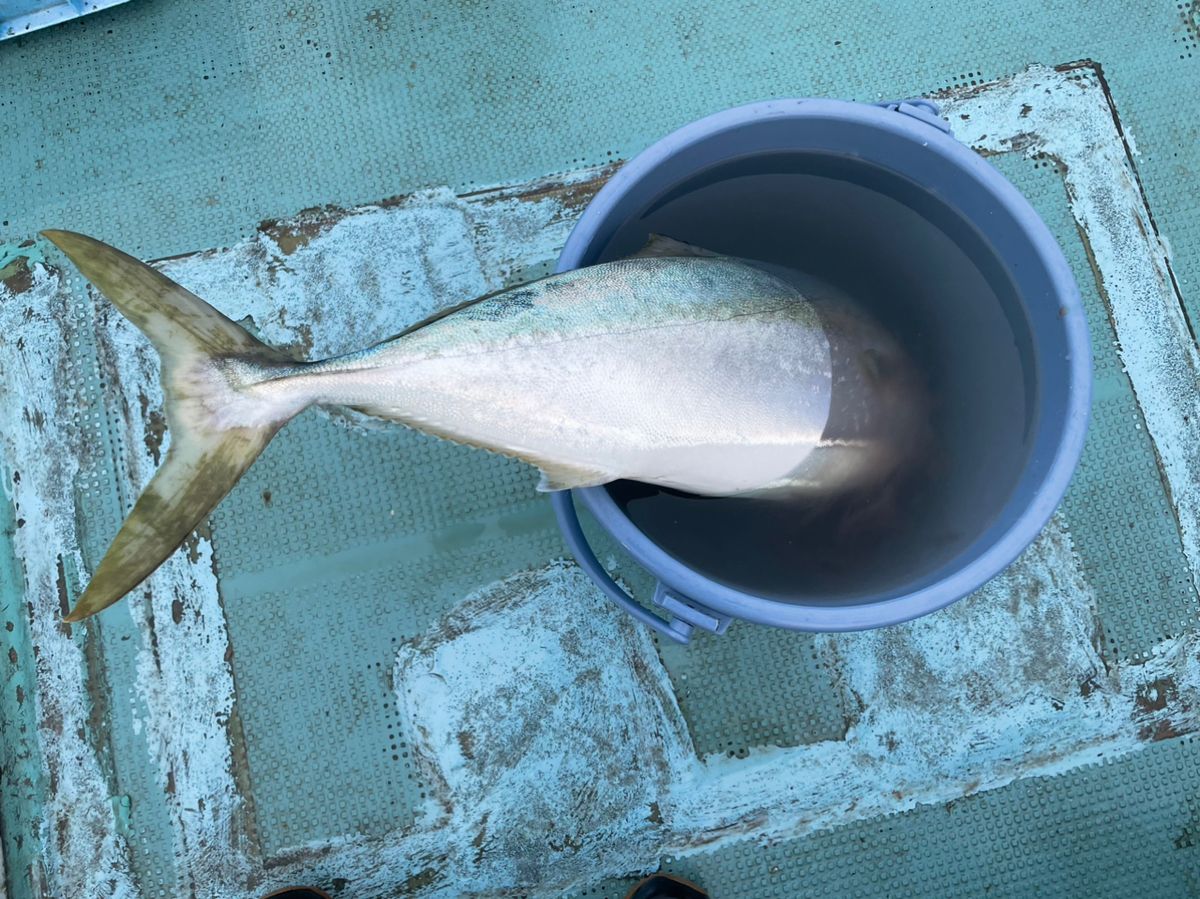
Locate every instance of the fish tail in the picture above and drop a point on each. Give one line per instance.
(218, 424)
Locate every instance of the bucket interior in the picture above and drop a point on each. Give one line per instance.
(930, 274)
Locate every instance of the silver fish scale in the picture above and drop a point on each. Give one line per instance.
(703, 374)
(630, 294)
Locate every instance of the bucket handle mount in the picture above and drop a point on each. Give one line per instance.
(685, 615)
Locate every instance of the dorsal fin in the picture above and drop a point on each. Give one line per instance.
(659, 245)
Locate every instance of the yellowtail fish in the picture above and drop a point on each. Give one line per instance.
(676, 367)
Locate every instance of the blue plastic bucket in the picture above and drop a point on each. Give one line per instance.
(879, 200)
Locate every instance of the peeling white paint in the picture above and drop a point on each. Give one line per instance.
(1002, 685)
(1067, 116)
(366, 274)
(182, 674)
(995, 676)
(546, 716)
(1025, 694)
(83, 853)
(1045, 703)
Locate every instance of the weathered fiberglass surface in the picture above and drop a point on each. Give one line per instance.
(372, 670)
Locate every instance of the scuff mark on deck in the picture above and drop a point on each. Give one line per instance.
(84, 854)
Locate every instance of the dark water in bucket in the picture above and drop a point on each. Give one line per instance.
(927, 276)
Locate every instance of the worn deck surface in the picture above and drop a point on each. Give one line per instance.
(370, 670)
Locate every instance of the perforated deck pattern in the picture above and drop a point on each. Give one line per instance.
(1126, 828)
(1121, 519)
(407, 541)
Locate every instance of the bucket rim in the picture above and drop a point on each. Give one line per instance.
(864, 613)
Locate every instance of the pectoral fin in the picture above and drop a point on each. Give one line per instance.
(557, 476)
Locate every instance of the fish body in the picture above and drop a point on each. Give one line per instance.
(678, 368)
(701, 374)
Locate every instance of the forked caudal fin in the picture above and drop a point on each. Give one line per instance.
(216, 429)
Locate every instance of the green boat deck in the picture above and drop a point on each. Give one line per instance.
(374, 669)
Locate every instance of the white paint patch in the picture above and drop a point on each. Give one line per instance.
(533, 727)
(1002, 685)
(336, 282)
(489, 693)
(1068, 117)
(546, 716)
(182, 673)
(995, 676)
(40, 453)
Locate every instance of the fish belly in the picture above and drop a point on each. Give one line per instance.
(710, 407)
